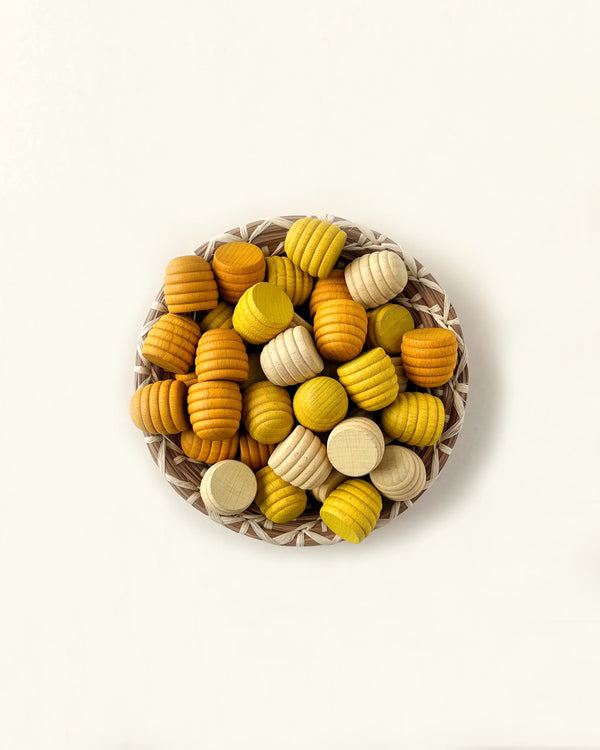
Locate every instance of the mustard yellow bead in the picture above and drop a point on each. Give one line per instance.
(278, 500)
(414, 419)
(297, 284)
(352, 509)
(320, 403)
(314, 245)
(370, 380)
(267, 412)
(387, 326)
(262, 312)
(220, 317)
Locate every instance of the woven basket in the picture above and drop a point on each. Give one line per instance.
(430, 307)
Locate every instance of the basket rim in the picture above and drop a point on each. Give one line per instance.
(426, 300)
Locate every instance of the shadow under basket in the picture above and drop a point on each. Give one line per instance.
(430, 307)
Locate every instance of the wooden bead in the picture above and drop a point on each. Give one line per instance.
(188, 379)
(355, 446)
(228, 487)
(208, 451)
(220, 317)
(267, 412)
(190, 285)
(237, 266)
(429, 356)
(297, 320)
(352, 509)
(215, 409)
(262, 312)
(401, 474)
(159, 408)
(297, 284)
(301, 459)
(221, 355)
(254, 454)
(320, 403)
(334, 479)
(333, 287)
(400, 374)
(291, 357)
(314, 245)
(340, 329)
(277, 499)
(255, 373)
(387, 325)
(414, 418)
(376, 278)
(370, 380)
(171, 343)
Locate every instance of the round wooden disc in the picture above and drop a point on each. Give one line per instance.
(355, 446)
(228, 487)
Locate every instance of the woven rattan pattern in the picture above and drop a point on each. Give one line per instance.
(430, 307)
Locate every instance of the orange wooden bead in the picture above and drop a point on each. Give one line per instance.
(171, 343)
(429, 356)
(332, 287)
(188, 379)
(190, 285)
(221, 355)
(237, 266)
(208, 451)
(254, 454)
(215, 409)
(159, 408)
(340, 329)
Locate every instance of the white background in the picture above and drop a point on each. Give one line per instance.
(132, 131)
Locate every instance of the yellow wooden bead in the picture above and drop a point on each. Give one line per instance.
(332, 287)
(314, 245)
(277, 499)
(171, 343)
(414, 418)
(208, 451)
(221, 355)
(215, 409)
(376, 278)
(190, 285)
(262, 312)
(387, 326)
(159, 408)
(352, 509)
(400, 374)
(188, 379)
(340, 329)
(267, 412)
(237, 266)
(429, 356)
(297, 284)
(220, 317)
(320, 403)
(370, 380)
(254, 454)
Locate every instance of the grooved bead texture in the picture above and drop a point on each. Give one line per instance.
(220, 317)
(208, 451)
(370, 380)
(267, 412)
(254, 454)
(333, 287)
(159, 408)
(215, 409)
(291, 357)
(314, 245)
(414, 418)
(351, 510)
(320, 403)
(171, 343)
(297, 284)
(401, 474)
(387, 326)
(189, 285)
(237, 266)
(376, 278)
(221, 355)
(301, 459)
(277, 499)
(340, 329)
(429, 356)
(262, 312)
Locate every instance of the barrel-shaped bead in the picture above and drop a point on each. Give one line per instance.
(340, 329)
(267, 412)
(352, 509)
(278, 500)
(414, 419)
(221, 355)
(237, 266)
(171, 343)
(370, 380)
(314, 245)
(295, 282)
(190, 285)
(215, 409)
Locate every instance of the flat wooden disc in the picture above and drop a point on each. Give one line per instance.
(228, 487)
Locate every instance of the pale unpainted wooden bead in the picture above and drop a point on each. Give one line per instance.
(375, 278)
(355, 446)
(301, 459)
(331, 482)
(401, 474)
(228, 487)
(291, 357)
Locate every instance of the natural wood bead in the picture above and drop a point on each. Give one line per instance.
(291, 357)
(221, 355)
(277, 499)
(220, 317)
(400, 374)
(237, 266)
(314, 245)
(401, 474)
(301, 459)
(352, 509)
(320, 403)
(355, 446)
(208, 451)
(333, 287)
(228, 487)
(188, 379)
(370, 380)
(190, 285)
(414, 418)
(376, 278)
(255, 373)
(297, 320)
(159, 408)
(429, 356)
(262, 312)
(334, 479)
(387, 325)
(297, 284)
(171, 343)
(254, 454)
(340, 329)
(267, 412)
(215, 409)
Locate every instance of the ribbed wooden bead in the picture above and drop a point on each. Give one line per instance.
(277, 499)
(352, 509)
(159, 408)
(254, 454)
(215, 409)
(414, 418)
(340, 329)
(429, 356)
(208, 451)
(190, 285)
(314, 245)
(333, 287)
(334, 479)
(237, 266)
(297, 284)
(220, 317)
(400, 373)
(171, 343)
(375, 278)
(221, 355)
(387, 326)
(267, 412)
(401, 474)
(370, 380)
(301, 459)
(262, 312)
(291, 357)
(188, 379)
(320, 403)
